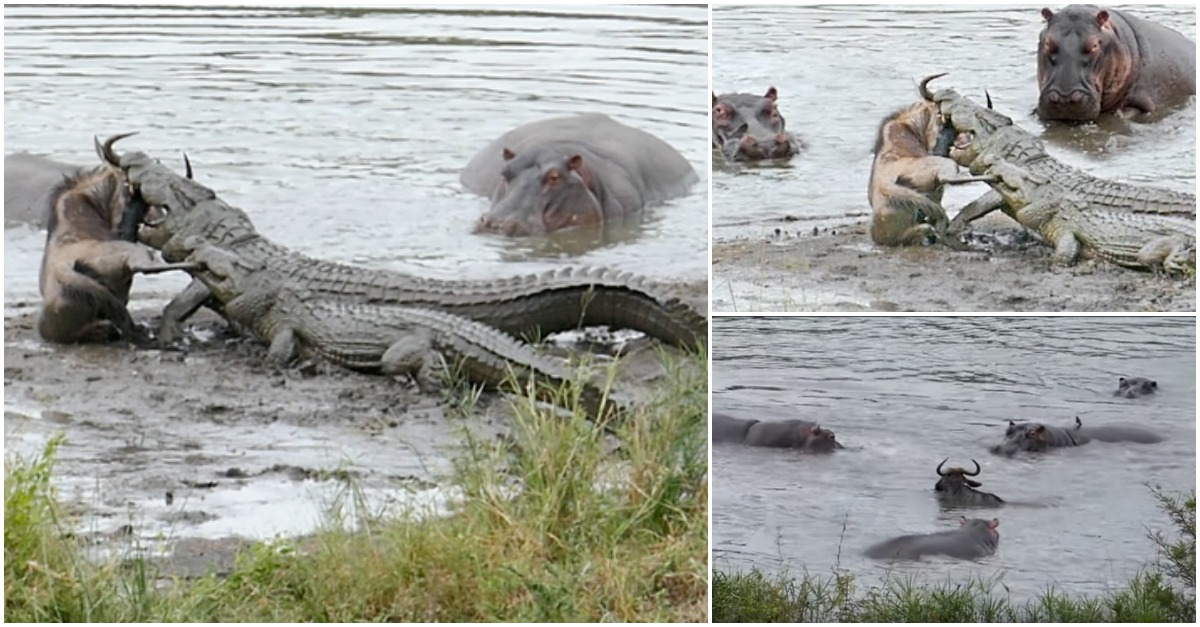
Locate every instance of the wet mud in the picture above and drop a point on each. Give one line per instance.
(797, 266)
(188, 455)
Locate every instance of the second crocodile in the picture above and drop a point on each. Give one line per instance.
(1133, 226)
(555, 301)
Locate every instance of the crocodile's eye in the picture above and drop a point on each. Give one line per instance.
(920, 216)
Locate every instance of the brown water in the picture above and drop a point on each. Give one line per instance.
(841, 69)
(904, 393)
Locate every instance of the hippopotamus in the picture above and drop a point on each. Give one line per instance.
(1134, 387)
(1036, 437)
(746, 127)
(1116, 433)
(797, 434)
(574, 171)
(29, 181)
(956, 490)
(1092, 61)
(974, 538)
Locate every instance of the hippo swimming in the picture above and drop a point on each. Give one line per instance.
(1092, 61)
(975, 538)
(746, 127)
(956, 490)
(797, 434)
(1133, 387)
(1036, 437)
(575, 171)
(29, 181)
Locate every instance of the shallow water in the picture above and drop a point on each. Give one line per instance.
(902, 394)
(840, 69)
(343, 131)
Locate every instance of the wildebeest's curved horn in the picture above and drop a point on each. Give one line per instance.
(105, 150)
(925, 86)
(939, 468)
(977, 469)
(1078, 423)
(187, 165)
(989, 98)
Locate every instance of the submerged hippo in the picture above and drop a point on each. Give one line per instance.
(1133, 387)
(1092, 61)
(746, 127)
(975, 538)
(1036, 437)
(954, 489)
(29, 181)
(797, 434)
(573, 171)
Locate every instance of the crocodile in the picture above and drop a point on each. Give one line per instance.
(397, 341)
(524, 306)
(1132, 226)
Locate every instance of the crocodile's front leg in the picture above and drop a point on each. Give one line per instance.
(974, 210)
(192, 298)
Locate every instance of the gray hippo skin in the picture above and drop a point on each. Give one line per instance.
(575, 171)
(797, 434)
(975, 538)
(955, 489)
(1133, 387)
(1036, 437)
(1116, 433)
(1092, 61)
(28, 183)
(746, 127)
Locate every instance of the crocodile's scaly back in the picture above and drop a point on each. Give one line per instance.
(535, 305)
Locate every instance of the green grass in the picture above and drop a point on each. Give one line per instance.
(1164, 594)
(591, 535)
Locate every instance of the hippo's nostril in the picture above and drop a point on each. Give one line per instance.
(1076, 97)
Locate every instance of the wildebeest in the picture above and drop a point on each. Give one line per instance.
(91, 256)
(955, 489)
(909, 174)
(973, 539)
(1134, 387)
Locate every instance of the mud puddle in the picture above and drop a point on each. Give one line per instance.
(806, 266)
(188, 455)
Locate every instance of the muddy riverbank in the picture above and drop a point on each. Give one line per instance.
(191, 454)
(838, 268)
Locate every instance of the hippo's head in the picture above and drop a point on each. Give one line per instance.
(1022, 436)
(820, 440)
(1134, 387)
(1082, 66)
(954, 480)
(985, 529)
(746, 127)
(543, 193)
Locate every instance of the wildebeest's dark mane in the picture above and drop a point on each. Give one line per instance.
(96, 185)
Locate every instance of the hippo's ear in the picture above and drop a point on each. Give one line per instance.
(508, 154)
(1047, 14)
(1102, 21)
(963, 520)
(575, 162)
(771, 94)
(714, 99)
(1039, 429)
(971, 482)
(1154, 384)
(1121, 381)
(994, 523)
(1011, 423)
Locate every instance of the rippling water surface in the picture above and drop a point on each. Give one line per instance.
(841, 69)
(343, 131)
(902, 394)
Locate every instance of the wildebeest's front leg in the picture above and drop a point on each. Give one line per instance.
(194, 296)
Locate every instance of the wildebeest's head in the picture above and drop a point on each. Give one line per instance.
(971, 123)
(542, 192)
(96, 204)
(955, 479)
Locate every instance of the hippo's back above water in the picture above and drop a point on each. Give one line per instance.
(28, 182)
(662, 172)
